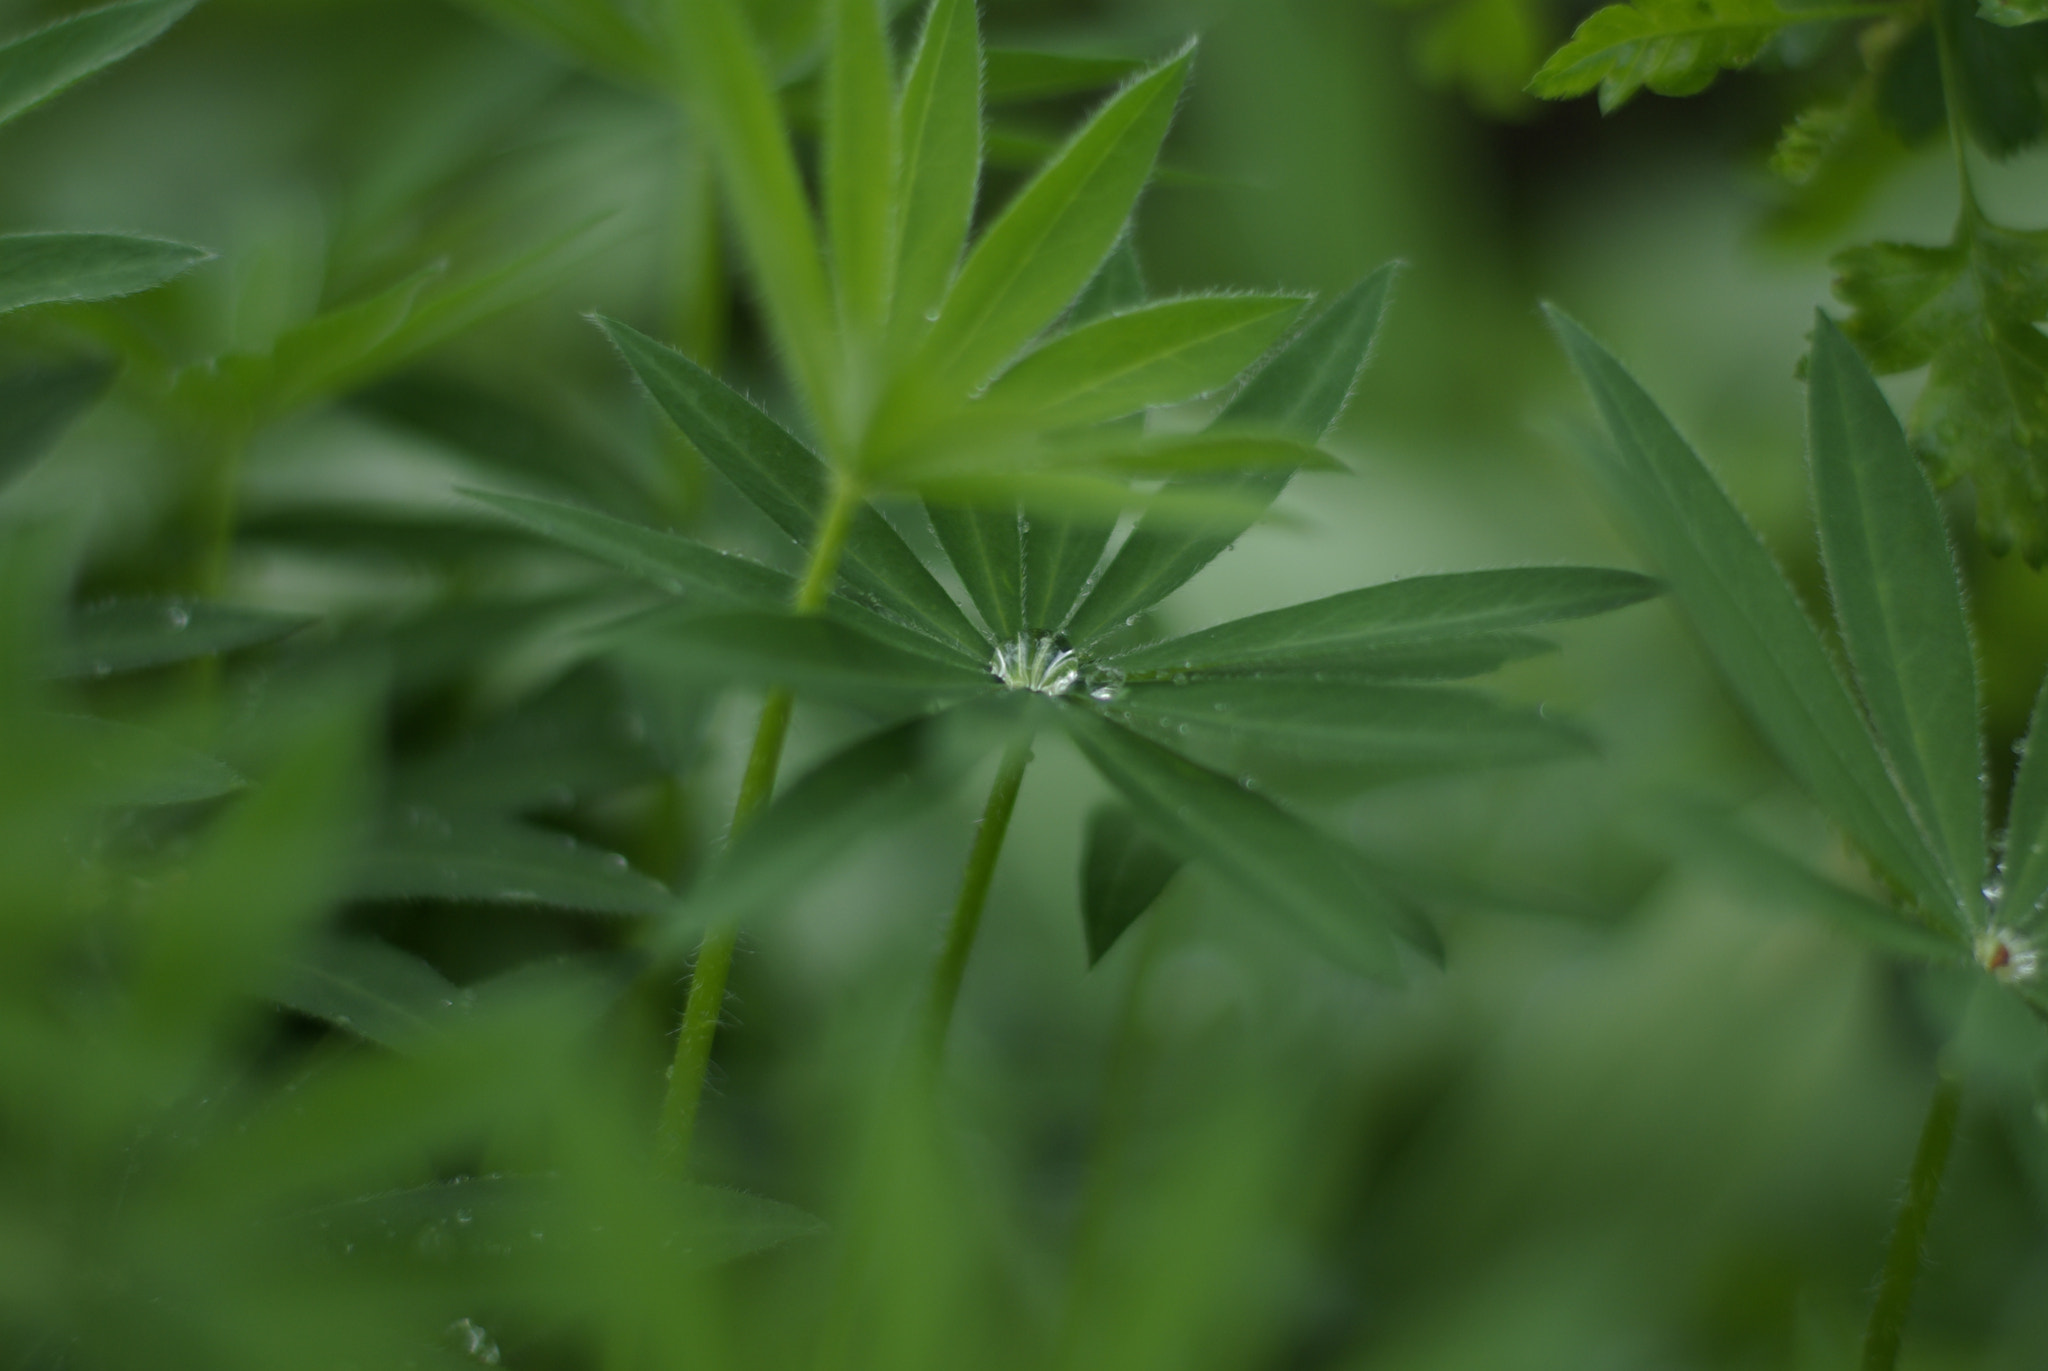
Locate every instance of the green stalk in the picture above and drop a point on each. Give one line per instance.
(974, 884)
(708, 974)
(1958, 138)
(1909, 1237)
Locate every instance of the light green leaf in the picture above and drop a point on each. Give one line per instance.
(860, 166)
(785, 481)
(2013, 14)
(37, 404)
(38, 66)
(2023, 867)
(1675, 47)
(369, 988)
(737, 107)
(426, 854)
(1301, 391)
(134, 766)
(47, 268)
(1048, 242)
(1120, 452)
(1157, 354)
(1016, 74)
(986, 547)
(1123, 871)
(1276, 862)
(1768, 650)
(939, 123)
(1399, 618)
(1899, 604)
(131, 635)
(811, 654)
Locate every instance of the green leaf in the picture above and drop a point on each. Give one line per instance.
(1300, 391)
(37, 404)
(1998, 77)
(131, 635)
(785, 481)
(741, 116)
(1899, 603)
(426, 854)
(939, 124)
(1123, 871)
(46, 268)
(1675, 47)
(313, 360)
(1158, 354)
(2023, 865)
(1349, 629)
(811, 654)
(2013, 14)
(593, 33)
(1768, 650)
(1014, 75)
(860, 165)
(38, 66)
(134, 766)
(369, 988)
(1276, 862)
(1967, 312)
(1115, 451)
(986, 547)
(1048, 242)
(1323, 721)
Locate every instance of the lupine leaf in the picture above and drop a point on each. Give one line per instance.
(46, 268)
(1967, 312)
(1048, 242)
(1276, 862)
(1014, 74)
(785, 481)
(939, 123)
(35, 67)
(134, 766)
(131, 635)
(986, 547)
(1116, 452)
(1301, 391)
(2023, 870)
(678, 565)
(426, 854)
(370, 988)
(1898, 602)
(1124, 870)
(810, 654)
(1675, 47)
(860, 164)
(37, 404)
(1419, 612)
(1158, 354)
(1767, 649)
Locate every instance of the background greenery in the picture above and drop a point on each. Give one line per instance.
(1650, 1115)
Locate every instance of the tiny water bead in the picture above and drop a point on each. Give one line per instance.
(1045, 663)
(2008, 955)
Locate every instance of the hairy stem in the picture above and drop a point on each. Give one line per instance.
(974, 884)
(1909, 1236)
(713, 966)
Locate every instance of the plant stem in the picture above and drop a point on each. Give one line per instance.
(708, 974)
(1952, 100)
(974, 884)
(1909, 1236)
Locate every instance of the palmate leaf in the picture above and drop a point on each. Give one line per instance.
(1124, 870)
(38, 66)
(1301, 391)
(1275, 861)
(427, 854)
(1898, 601)
(1967, 312)
(1675, 47)
(1768, 650)
(37, 404)
(812, 654)
(939, 162)
(48, 268)
(114, 636)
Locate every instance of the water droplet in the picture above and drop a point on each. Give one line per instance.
(615, 861)
(178, 616)
(475, 1342)
(102, 668)
(931, 316)
(464, 1216)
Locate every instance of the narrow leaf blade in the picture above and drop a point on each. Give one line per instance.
(48, 268)
(35, 67)
(986, 547)
(860, 165)
(369, 988)
(37, 404)
(811, 654)
(425, 854)
(2023, 871)
(115, 636)
(1124, 870)
(939, 125)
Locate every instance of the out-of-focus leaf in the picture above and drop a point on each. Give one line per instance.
(130, 635)
(939, 165)
(35, 67)
(1156, 354)
(1766, 647)
(310, 361)
(1899, 603)
(1967, 312)
(1013, 75)
(133, 766)
(1675, 47)
(369, 988)
(810, 654)
(1123, 871)
(37, 404)
(1049, 241)
(594, 33)
(678, 565)
(2023, 869)
(1487, 48)
(2013, 13)
(1276, 862)
(986, 547)
(425, 854)
(860, 165)
(1998, 71)
(1301, 391)
(44, 268)
(786, 482)
(1421, 611)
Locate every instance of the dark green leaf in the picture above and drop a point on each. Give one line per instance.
(1123, 870)
(986, 547)
(1276, 862)
(939, 166)
(1767, 649)
(425, 854)
(1014, 74)
(1899, 603)
(37, 404)
(2023, 870)
(44, 268)
(1999, 70)
(38, 66)
(133, 766)
(130, 635)
(369, 988)
(1301, 391)
(806, 653)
